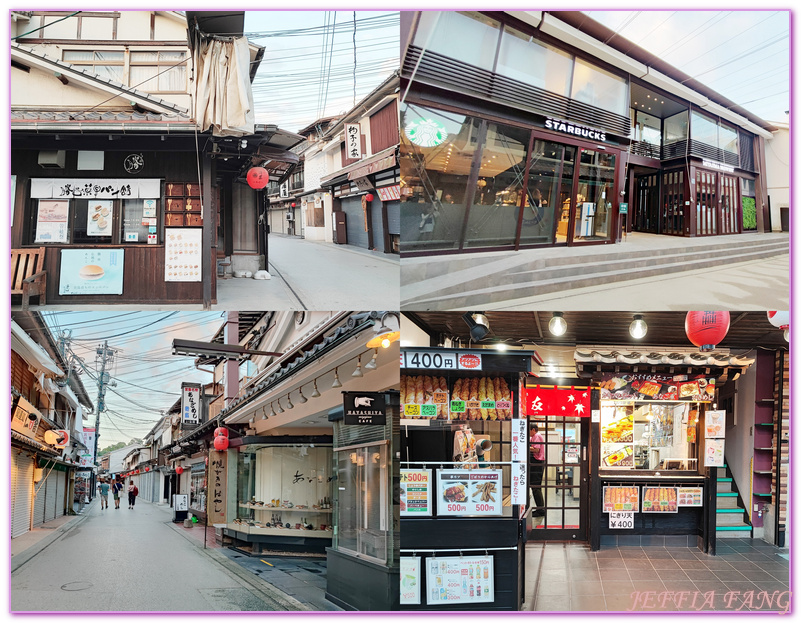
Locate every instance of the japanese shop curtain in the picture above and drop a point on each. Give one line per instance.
(223, 97)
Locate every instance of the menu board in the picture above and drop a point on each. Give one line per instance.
(183, 254)
(469, 492)
(481, 398)
(51, 221)
(660, 500)
(425, 397)
(459, 579)
(714, 453)
(98, 217)
(617, 437)
(695, 388)
(410, 579)
(691, 496)
(415, 496)
(715, 424)
(621, 499)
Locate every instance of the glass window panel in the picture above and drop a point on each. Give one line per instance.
(476, 42)
(110, 57)
(600, 88)
(133, 214)
(173, 79)
(111, 72)
(144, 77)
(676, 128)
(648, 129)
(144, 57)
(83, 213)
(78, 55)
(572, 518)
(704, 129)
(550, 184)
(728, 139)
(523, 58)
(172, 57)
(197, 491)
(437, 149)
(594, 201)
(495, 209)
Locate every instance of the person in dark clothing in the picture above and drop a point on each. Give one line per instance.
(537, 468)
(132, 493)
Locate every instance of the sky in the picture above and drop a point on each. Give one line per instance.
(290, 90)
(148, 376)
(743, 55)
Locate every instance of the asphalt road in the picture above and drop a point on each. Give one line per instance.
(134, 561)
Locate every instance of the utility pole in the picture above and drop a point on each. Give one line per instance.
(104, 355)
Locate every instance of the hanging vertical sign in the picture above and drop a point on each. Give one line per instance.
(519, 455)
(217, 501)
(190, 403)
(88, 456)
(353, 141)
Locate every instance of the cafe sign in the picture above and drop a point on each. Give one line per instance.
(565, 127)
(95, 188)
(365, 408)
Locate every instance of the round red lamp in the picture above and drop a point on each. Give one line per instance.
(706, 329)
(221, 432)
(258, 178)
(369, 197)
(179, 470)
(220, 443)
(293, 204)
(147, 469)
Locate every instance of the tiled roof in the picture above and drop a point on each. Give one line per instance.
(112, 116)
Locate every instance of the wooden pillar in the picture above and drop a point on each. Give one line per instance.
(761, 185)
(209, 235)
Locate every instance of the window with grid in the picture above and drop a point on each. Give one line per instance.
(107, 64)
(159, 71)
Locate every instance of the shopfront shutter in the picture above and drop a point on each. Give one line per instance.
(61, 493)
(352, 207)
(377, 223)
(51, 500)
(393, 217)
(21, 492)
(40, 491)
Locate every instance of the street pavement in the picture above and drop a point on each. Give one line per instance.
(135, 561)
(316, 276)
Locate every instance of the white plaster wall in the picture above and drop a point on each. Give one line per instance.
(43, 91)
(777, 166)
(412, 335)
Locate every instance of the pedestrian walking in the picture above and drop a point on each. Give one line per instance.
(537, 443)
(103, 488)
(133, 491)
(116, 489)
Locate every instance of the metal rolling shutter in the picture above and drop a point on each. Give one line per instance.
(393, 216)
(51, 501)
(40, 491)
(61, 493)
(352, 207)
(21, 488)
(377, 223)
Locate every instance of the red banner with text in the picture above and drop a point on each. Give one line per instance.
(556, 401)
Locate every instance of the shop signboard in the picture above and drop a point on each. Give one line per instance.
(660, 500)
(689, 387)
(389, 193)
(709, 164)
(218, 500)
(88, 456)
(51, 221)
(410, 580)
(621, 499)
(469, 492)
(459, 580)
(353, 141)
(621, 520)
(91, 271)
(183, 254)
(691, 496)
(365, 408)
(415, 494)
(714, 453)
(190, 403)
(95, 188)
(715, 425)
(543, 401)
(624, 208)
(519, 486)
(519, 440)
(180, 502)
(437, 360)
(565, 127)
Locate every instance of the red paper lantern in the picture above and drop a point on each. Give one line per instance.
(258, 178)
(221, 432)
(706, 329)
(369, 197)
(179, 470)
(220, 443)
(147, 469)
(293, 204)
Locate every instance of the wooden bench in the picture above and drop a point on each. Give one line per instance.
(28, 276)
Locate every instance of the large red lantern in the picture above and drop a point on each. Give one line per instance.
(220, 443)
(179, 470)
(706, 329)
(221, 432)
(258, 178)
(147, 469)
(369, 197)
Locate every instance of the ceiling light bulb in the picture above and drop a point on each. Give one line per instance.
(289, 404)
(316, 392)
(371, 365)
(263, 414)
(385, 343)
(501, 346)
(638, 328)
(557, 326)
(358, 371)
(787, 335)
(336, 382)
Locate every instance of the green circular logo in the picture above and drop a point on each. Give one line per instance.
(426, 132)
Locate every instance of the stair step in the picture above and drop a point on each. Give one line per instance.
(727, 494)
(730, 519)
(743, 527)
(738, 509)
(724, 479)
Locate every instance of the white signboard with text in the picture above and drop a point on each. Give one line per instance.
(459, 580)
(435, 360)
(190, 404)
(183, 254)
(99, 188)
(410, 579)
(469, 492)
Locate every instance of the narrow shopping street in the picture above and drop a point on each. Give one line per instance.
(134, 560)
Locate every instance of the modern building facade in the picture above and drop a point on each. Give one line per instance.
(524, 129)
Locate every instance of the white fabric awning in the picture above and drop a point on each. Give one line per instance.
(31, 352)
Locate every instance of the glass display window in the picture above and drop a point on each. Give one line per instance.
(595, 199)
(476, 44)
(197, 490)
(285, 490)
(364, 502)
(139, 219)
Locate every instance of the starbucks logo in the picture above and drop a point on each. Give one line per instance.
(426, 132)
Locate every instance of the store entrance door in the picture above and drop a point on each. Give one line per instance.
(646, 214)
(594, 192)
(562, 479)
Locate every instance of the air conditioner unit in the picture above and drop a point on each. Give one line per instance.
(52, 159)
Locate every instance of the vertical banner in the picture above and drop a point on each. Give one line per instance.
(217, 488)
(353, 141)
(410, 580)
(88, 456)
(519, 456)
(190, 403)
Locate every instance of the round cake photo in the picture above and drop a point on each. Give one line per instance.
(90, 272)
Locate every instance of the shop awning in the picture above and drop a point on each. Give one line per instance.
(378, 162)
(33, 443)
(31, 352)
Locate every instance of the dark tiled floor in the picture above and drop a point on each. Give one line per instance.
(746, 575)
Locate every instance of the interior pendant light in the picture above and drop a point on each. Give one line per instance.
(557, 326)
(336, 382)
(272, 411)
(358, 371)
(638, 328)
(316, 392)
(280, 408)
(289, 404)
(301, 397)
(371, 365)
